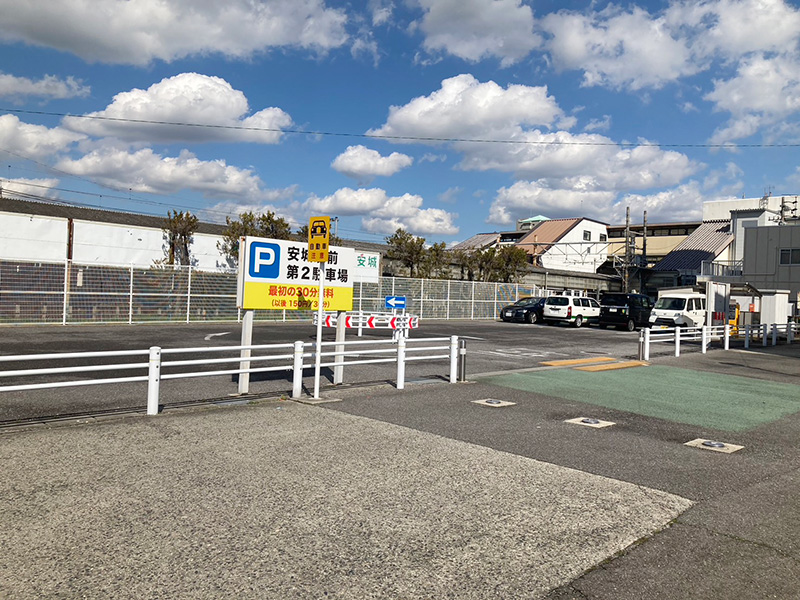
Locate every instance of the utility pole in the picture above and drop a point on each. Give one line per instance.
(643, 266)
(626, 265)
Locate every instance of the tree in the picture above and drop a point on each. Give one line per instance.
(467, 262)
(407, 249)
(178, 228)
(510, 263)
(436, 262)
(499, 263)
(248, 224)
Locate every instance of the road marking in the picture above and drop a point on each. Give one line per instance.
(611, 367)
(588, 422)
(578, 361)
(704, 444)
(211, 335)
(469, 337)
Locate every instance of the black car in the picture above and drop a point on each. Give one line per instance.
(524, 310)
(627, 311)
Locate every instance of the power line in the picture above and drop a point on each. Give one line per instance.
(410, 138)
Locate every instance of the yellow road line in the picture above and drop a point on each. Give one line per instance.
(577, 361)
(619, 365)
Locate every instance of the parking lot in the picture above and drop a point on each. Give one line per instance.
(492, 346)
(431, 483)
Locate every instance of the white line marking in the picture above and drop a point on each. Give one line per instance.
(469, 337)
(211, 335)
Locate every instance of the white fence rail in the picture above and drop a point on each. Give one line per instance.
(288, 357)
(70, 293)
(705, 335)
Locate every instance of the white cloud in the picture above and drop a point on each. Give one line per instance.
(734, 28)
(450, 195)
(383, 213)
(465, 108)
(364, 164)
(603, 124)
(147, 172)
(562, 155)
(34, 141)
(525, 198)
(137, 32)
(764, 92)
(683, 203)
(477, 29)
(619, 49)
(184, 98)
(49, 86)
(233, 208)
(42, 188)
(381, 11)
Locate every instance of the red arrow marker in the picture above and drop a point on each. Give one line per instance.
(393, 323)
(348, 321)
(371, 322)
(328, 321)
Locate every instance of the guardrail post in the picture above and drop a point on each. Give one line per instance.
(764, 334)
(746, 336)
(153, 380)
(646, 344)
(726, 344)
(677, 341)
(774, 334)
(640, 350)
(453, 358)
(247, 340)
(401, 363)
(297, 370)
(703, 338)
(789, 333)
(338, 370)
(462, 360)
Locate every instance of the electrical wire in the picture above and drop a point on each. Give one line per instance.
(409, 138)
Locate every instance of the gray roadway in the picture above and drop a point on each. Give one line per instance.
(413, 494)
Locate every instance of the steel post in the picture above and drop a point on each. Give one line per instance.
(297, 370)
(153, 380)
(401, 363)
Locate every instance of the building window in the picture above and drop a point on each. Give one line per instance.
(587, 235)
(603, 237)
(790, 256)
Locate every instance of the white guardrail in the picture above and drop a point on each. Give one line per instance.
(290, 357)
(788, 331)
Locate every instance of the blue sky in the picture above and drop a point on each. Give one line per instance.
(444, 117)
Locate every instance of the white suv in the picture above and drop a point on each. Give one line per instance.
(575, 310)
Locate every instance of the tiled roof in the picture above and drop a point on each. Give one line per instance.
(82, 213)
(547, 232)
(478, 241)
(705, 243)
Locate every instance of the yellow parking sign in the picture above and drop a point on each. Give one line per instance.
(319, 236)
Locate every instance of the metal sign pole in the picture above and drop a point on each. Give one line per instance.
(320, 307)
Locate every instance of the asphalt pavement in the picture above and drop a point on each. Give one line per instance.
(426, 493)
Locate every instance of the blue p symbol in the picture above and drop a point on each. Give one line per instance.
(265, 260)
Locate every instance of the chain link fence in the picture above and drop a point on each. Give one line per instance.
(73, 293)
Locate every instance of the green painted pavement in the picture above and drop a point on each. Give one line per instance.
(723, 402)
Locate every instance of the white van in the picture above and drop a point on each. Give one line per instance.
(679, 309)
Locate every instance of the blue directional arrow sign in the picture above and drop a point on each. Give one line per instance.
(395, 301)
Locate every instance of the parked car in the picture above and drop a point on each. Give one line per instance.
(627, 311)
(575, 310)
(681, 309)
(530, 312)
(507, 312)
